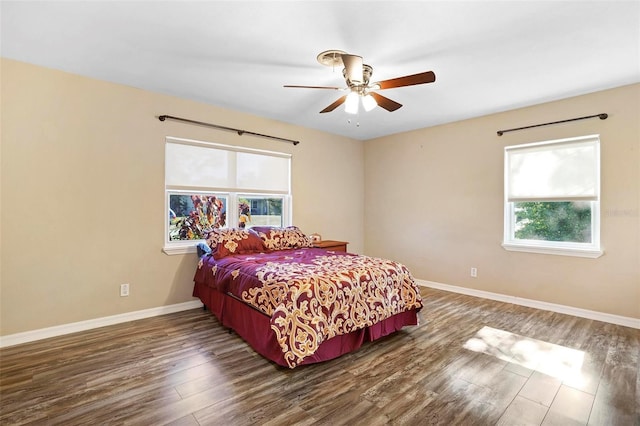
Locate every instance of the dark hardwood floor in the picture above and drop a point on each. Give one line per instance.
(470, 362)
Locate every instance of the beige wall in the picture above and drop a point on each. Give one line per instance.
(434, 200)
(82, 186)
(82, 195)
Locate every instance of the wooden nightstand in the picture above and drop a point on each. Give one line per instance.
(331, 245)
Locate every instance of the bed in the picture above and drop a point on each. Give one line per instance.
(296, 304)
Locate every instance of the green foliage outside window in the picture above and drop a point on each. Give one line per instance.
(553, 221)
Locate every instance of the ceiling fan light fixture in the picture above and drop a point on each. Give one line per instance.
(368, 102)
(351, 103)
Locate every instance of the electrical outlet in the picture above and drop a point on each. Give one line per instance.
(124, 290)
(474, 272)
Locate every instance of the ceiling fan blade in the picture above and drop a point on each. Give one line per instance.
(407, 80)
(385, 103)
(313, 87)
(334, 105)
(353, 65)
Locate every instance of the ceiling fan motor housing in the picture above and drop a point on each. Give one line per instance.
(360, 87)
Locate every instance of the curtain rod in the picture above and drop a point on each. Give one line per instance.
(602, 116)
(240, 132)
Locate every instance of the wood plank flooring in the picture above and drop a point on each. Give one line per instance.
(470, 362)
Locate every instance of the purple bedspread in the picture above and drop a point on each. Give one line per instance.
(313, 294)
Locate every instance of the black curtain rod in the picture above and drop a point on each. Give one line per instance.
(602, 116)
(240, 132)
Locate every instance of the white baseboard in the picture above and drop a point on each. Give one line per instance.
(45, 333)
(59, 330)
(562, 309)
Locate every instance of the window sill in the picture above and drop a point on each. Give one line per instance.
(179, 249)
(562, 251)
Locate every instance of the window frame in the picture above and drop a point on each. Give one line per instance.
(564, 248)
(232, 195)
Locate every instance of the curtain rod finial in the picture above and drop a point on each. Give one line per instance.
(603, 116)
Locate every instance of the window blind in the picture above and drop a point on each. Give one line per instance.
(563, 170)
(220, 167)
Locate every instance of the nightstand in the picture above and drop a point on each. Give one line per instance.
(331, 245)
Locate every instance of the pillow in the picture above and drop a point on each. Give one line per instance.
(224, 242)
(275, 238)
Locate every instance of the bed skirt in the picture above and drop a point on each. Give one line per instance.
(254, 327)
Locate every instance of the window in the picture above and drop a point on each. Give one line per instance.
(261, 211)
(192, 215)
(205, 182)
(552, 197)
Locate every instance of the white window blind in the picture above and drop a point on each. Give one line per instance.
(220, 167)
(197, 166)
(262, 172)
(566, 170)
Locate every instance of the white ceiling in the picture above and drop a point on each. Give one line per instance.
(488, 56)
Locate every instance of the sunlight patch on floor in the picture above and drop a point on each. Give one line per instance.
(554, 360)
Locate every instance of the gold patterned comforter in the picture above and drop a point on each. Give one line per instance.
(312, 295)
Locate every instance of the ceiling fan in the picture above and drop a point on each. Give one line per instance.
(357, 76)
